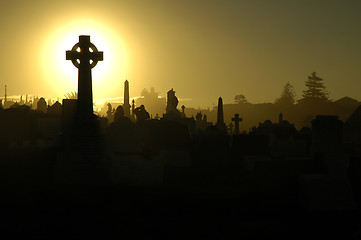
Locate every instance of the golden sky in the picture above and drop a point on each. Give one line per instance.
(202, 48)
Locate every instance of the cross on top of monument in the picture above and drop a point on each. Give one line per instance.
(84, 53)
(236, 120)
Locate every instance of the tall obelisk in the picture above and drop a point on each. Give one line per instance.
(220, 118)
(126, 105)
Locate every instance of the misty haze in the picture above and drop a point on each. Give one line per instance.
(180, 119)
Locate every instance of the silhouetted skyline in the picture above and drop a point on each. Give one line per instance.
(158, 169)
(204, 49)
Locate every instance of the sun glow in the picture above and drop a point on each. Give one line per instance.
(62, 75)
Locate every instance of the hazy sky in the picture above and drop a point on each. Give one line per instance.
(202, 48)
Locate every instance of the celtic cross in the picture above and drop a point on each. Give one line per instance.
(84, 55)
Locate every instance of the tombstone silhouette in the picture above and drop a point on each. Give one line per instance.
(236, 120)
(126, 105)
(220, 118)
(84, 55)
(85, 126)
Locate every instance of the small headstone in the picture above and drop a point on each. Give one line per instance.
(41, 105)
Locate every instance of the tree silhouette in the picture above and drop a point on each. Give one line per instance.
(240, 99)
(288, 95)
(316, 89)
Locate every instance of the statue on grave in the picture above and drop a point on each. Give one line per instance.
(172, 113)
(141, 113)
(110, 112)
(172, 101)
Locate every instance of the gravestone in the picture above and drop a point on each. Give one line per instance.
(141, 113)
(55, 109)
(83, 160)
(126, 99)
(330, 190)
(220, 117)
(110, 113)
(172, 102)
(85, 56)
(41, 105)
(285, 130)
(183, 112)
(172, 113)
(122, 135)
(236, 120)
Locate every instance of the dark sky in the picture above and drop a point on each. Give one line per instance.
(202, 48)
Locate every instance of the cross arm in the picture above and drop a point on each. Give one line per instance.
(97, 56)
(71, 55)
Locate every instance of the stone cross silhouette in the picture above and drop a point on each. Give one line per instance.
(84, 55)
(183, 107)
(236, 120)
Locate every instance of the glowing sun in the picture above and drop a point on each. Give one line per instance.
(63, 75)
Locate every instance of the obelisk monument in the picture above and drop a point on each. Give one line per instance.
(126, 105)
(220, 118)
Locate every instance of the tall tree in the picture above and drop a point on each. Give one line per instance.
(315, 88)
(240, 98)
(288, 95)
